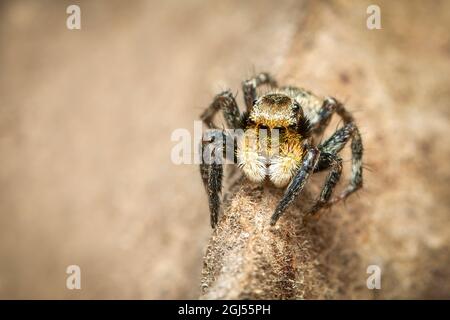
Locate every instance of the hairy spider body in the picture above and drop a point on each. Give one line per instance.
(262, 155)
(277, 143)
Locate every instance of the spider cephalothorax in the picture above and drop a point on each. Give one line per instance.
(275, 110)
(277, 144)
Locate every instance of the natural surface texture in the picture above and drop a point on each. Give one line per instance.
(248, 259)
(86, 119)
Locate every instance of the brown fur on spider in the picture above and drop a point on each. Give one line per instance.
(296, 115)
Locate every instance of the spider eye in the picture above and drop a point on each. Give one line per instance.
(296, 106)
(254, 101)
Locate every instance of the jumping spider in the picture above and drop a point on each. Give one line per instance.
(298, 115)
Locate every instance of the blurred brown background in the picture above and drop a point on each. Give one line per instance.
(86, 118)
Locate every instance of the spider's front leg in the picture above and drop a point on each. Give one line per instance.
(249, 87)
(212, 169)
(212, 180)
(297, 184)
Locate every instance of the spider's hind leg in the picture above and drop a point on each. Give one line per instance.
(226, 102)
(335, 144)
(356, 180)
(323, 116)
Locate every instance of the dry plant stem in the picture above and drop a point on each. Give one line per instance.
(248, 259)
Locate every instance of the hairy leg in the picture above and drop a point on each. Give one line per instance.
(334, 163)
(249, 87)
(212, 180)
(336, 143)
(297, 184)
(329, 107)
(356, 179)
(210, 169)
(213, 146)
(226, 102)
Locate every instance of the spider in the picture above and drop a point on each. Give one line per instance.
(298, 115)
